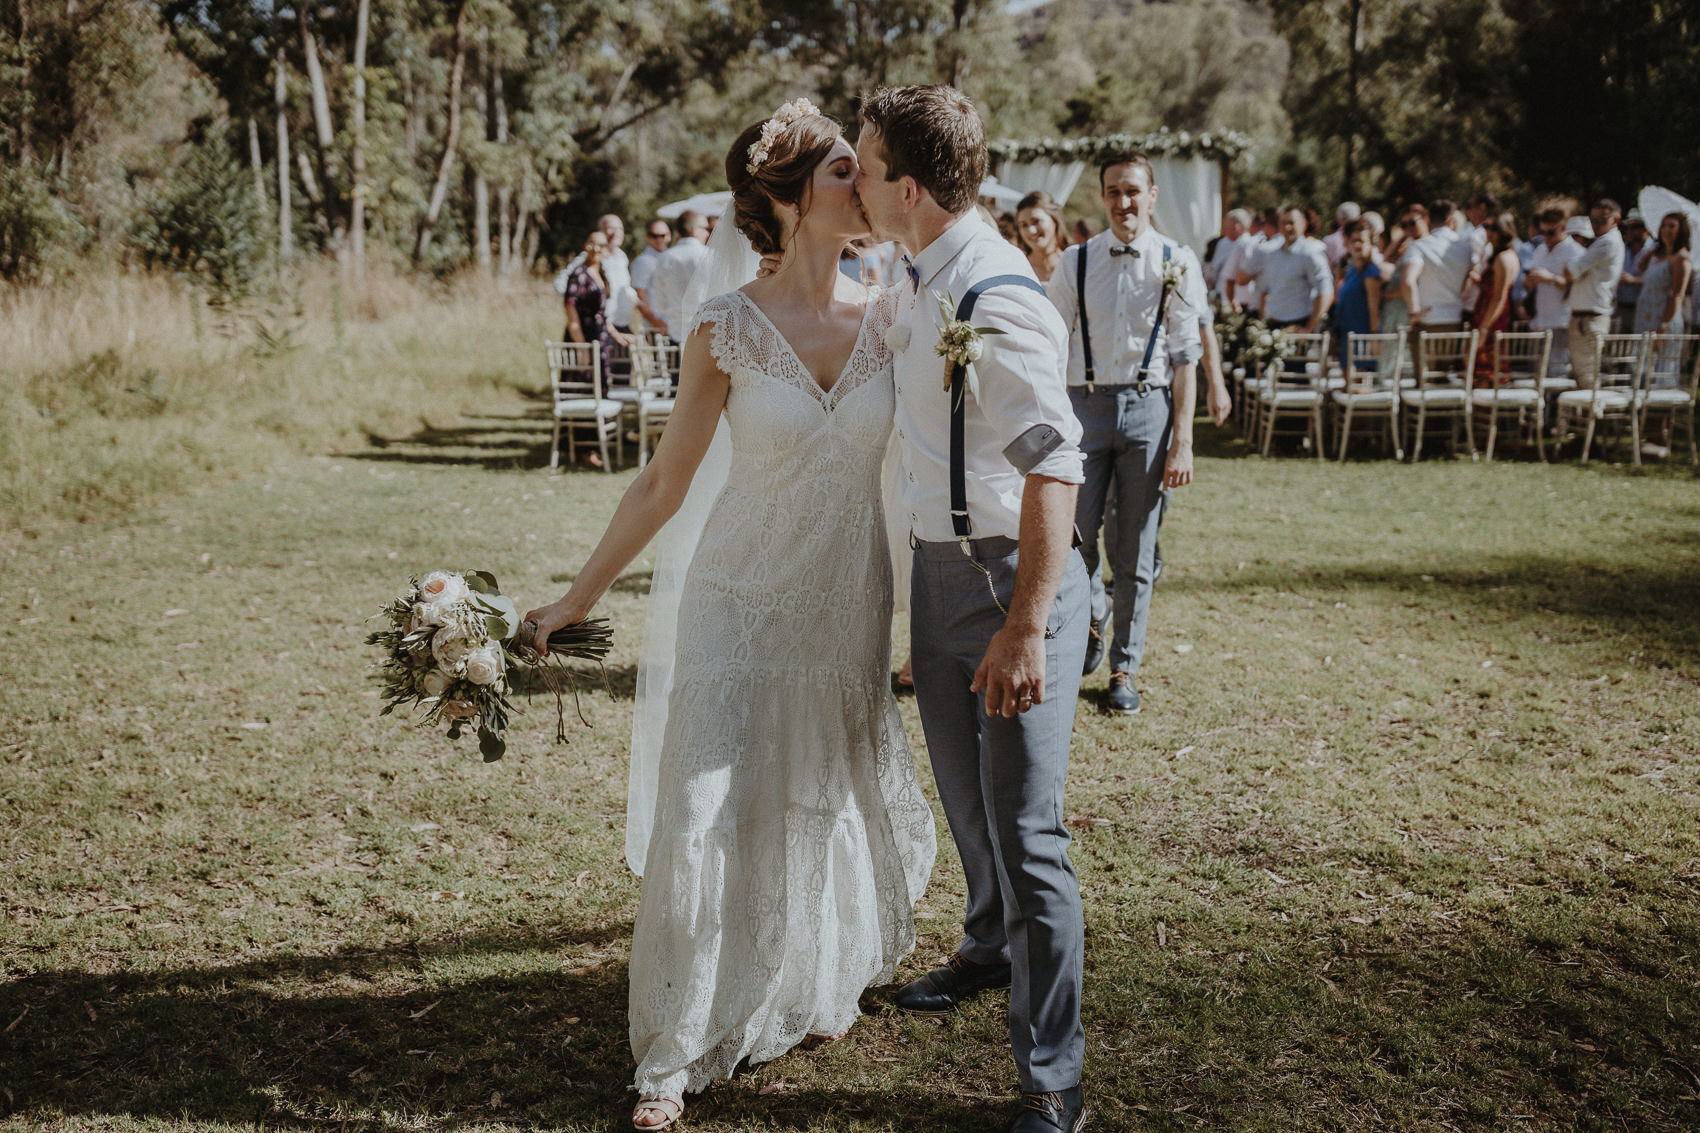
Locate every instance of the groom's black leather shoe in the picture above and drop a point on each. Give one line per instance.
(941, 990)
(1063, 1110)
(1094, 649)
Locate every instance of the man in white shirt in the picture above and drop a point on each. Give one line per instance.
(1241, 285)
(1435, 270)
(1553, 255)
(674, 272)
(998, 601)
(1133, 351)
(616, 271)
(1481, 207)
(1292, 274)
(1233, 228)
(656, 238)
(1593, 290)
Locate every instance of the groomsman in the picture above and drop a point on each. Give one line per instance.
(1134, 346)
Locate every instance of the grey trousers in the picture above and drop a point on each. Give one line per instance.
(1125, 436)
(1001, 784)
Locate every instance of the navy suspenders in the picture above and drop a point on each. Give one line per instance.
(1085, 327)
(958, 405)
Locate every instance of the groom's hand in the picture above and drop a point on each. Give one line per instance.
(1012, 672)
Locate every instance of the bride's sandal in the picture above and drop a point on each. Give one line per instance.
(665, 1111)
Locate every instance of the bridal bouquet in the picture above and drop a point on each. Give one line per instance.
(451, 642)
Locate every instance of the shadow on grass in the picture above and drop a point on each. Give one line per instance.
(1656, 606)
(1569, 1020)
(493, 442)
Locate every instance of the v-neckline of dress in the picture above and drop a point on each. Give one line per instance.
(824, 393)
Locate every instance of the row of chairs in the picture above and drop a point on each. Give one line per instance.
(1399, 385)
(591, 409)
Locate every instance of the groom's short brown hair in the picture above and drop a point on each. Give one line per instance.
(933, 134)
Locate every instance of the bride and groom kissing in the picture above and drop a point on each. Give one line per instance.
(778, 825)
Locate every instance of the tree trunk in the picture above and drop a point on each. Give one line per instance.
(451, 139)
(324, 132)
(481, 183)
(26, 142)
(258, 163)
(507, 247)
(280, 95)
(357, 145)
(1354, 49)
(311, 184)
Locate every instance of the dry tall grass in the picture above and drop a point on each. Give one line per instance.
(117, 387)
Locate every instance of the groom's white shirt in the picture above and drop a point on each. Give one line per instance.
(1021, 379)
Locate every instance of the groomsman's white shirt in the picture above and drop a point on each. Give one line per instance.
(1121, 302)
(673, 273)
(1020, 378)
(1595, 273)
(1552, 312)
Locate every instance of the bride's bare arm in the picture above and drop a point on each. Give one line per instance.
(656, 493)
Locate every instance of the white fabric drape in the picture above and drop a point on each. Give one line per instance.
(1057, 178)
(1189, 199)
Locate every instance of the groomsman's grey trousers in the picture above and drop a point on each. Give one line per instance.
(1125, 435)
(1001, 784)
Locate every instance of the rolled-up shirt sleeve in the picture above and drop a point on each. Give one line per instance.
(1021, 377)
(1321, 279)
(1181, 321)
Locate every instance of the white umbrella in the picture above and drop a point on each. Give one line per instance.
(1656, 204)
(709, 204)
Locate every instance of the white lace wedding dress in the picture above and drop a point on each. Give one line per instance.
(790, 839)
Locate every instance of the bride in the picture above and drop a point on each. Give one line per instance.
(783, 839)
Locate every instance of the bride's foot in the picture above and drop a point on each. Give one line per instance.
(813, 1039)
(658, 1113)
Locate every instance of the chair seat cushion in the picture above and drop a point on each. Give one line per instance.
(1368, 399)
(1291, 398)
(1433, 398)
(587, 407)
(1552, 385)
(1600, 401)
(1510, 397)
(1665, 398)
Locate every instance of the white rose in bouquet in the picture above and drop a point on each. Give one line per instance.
(451, 648)
(426, 614)
(442, 586)
(436, 683)
(484, 665)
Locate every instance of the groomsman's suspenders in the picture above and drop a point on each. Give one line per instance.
(1086, 331)
(958, 407)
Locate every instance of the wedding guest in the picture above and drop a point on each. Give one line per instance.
(1665, 273)
(1548, 267)
(656, 238)
(1233, 228)
(1335, 242)
(1434, 271)
(1265, 230)
(1479, 209)
(1084, 230)
(1357, 305)
(1635, 243)
(1493, 304)
(1039, 232)
(674, 271)
(1292, 274)
(1593, 290)
(587, 307)
(1006, 227)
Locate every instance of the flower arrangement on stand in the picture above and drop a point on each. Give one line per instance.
(451, 642)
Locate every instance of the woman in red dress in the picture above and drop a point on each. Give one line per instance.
(1493, 304)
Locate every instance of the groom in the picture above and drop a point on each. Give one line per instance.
(999, 595)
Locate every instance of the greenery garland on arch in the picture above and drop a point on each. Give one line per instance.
(1216, 145)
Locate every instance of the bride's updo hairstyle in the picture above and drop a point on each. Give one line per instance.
(783, 176)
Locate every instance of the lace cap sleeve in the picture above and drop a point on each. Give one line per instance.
(721, 314)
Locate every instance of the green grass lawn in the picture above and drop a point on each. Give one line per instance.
(1407, 837)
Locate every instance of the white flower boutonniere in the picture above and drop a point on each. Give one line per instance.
(960, 343)
(897, 338)
(1174, 271)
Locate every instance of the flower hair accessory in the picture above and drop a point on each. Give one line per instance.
(771, 129)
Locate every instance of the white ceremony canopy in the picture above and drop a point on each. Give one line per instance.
(1190, 169)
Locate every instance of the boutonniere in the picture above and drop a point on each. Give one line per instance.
(960, 343)
(1173, 272)
(897, 337)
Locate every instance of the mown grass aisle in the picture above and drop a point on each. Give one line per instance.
(1408, 836)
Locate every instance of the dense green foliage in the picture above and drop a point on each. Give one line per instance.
(494, 131)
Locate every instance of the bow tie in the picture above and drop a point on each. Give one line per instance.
(914, 274)
(1124, 250)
